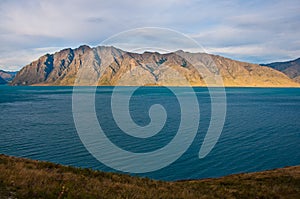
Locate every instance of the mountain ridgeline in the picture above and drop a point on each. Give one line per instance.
(6, 76)
(106, 65)
(2, 81)
(290, 68)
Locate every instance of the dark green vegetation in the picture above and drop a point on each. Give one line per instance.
(23, 178)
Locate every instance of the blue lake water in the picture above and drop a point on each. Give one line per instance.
(261, 131)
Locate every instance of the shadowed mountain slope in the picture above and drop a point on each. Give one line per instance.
(290, 68)
(105, 65)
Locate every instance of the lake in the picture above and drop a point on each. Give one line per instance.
(261, 130)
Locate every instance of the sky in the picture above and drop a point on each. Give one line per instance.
(252, 31)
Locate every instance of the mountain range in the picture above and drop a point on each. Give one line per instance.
(290, 68)
(107, 65)
(6, 76)
(2, 81)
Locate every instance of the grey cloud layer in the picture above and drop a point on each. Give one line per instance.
(255, 31)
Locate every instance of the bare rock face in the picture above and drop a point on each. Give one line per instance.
(290, 68)
(105, 65)
(7, 76)
(2, 81)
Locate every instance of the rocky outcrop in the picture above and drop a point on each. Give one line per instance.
(105, 65)
(2, 81)
(290, 68)
(7, 76)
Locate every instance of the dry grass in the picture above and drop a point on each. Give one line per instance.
(23, 178)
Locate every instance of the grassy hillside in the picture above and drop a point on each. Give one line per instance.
(23, 178)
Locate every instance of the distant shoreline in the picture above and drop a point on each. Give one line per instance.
(42, 85)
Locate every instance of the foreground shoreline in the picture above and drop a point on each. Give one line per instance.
(24, 178)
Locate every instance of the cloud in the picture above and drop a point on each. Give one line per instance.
(12, 61)
(152, 39)
(255, 31)
(258, 53)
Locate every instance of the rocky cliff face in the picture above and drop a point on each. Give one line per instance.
(290, 68)
(111, 66)
(2, 81)
(7, 76)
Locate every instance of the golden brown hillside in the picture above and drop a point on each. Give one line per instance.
(112, 66)
(23, 178)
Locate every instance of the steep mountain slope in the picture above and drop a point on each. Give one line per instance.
(2, 81)
(290, 68)
(7, 75)
(111, 66)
